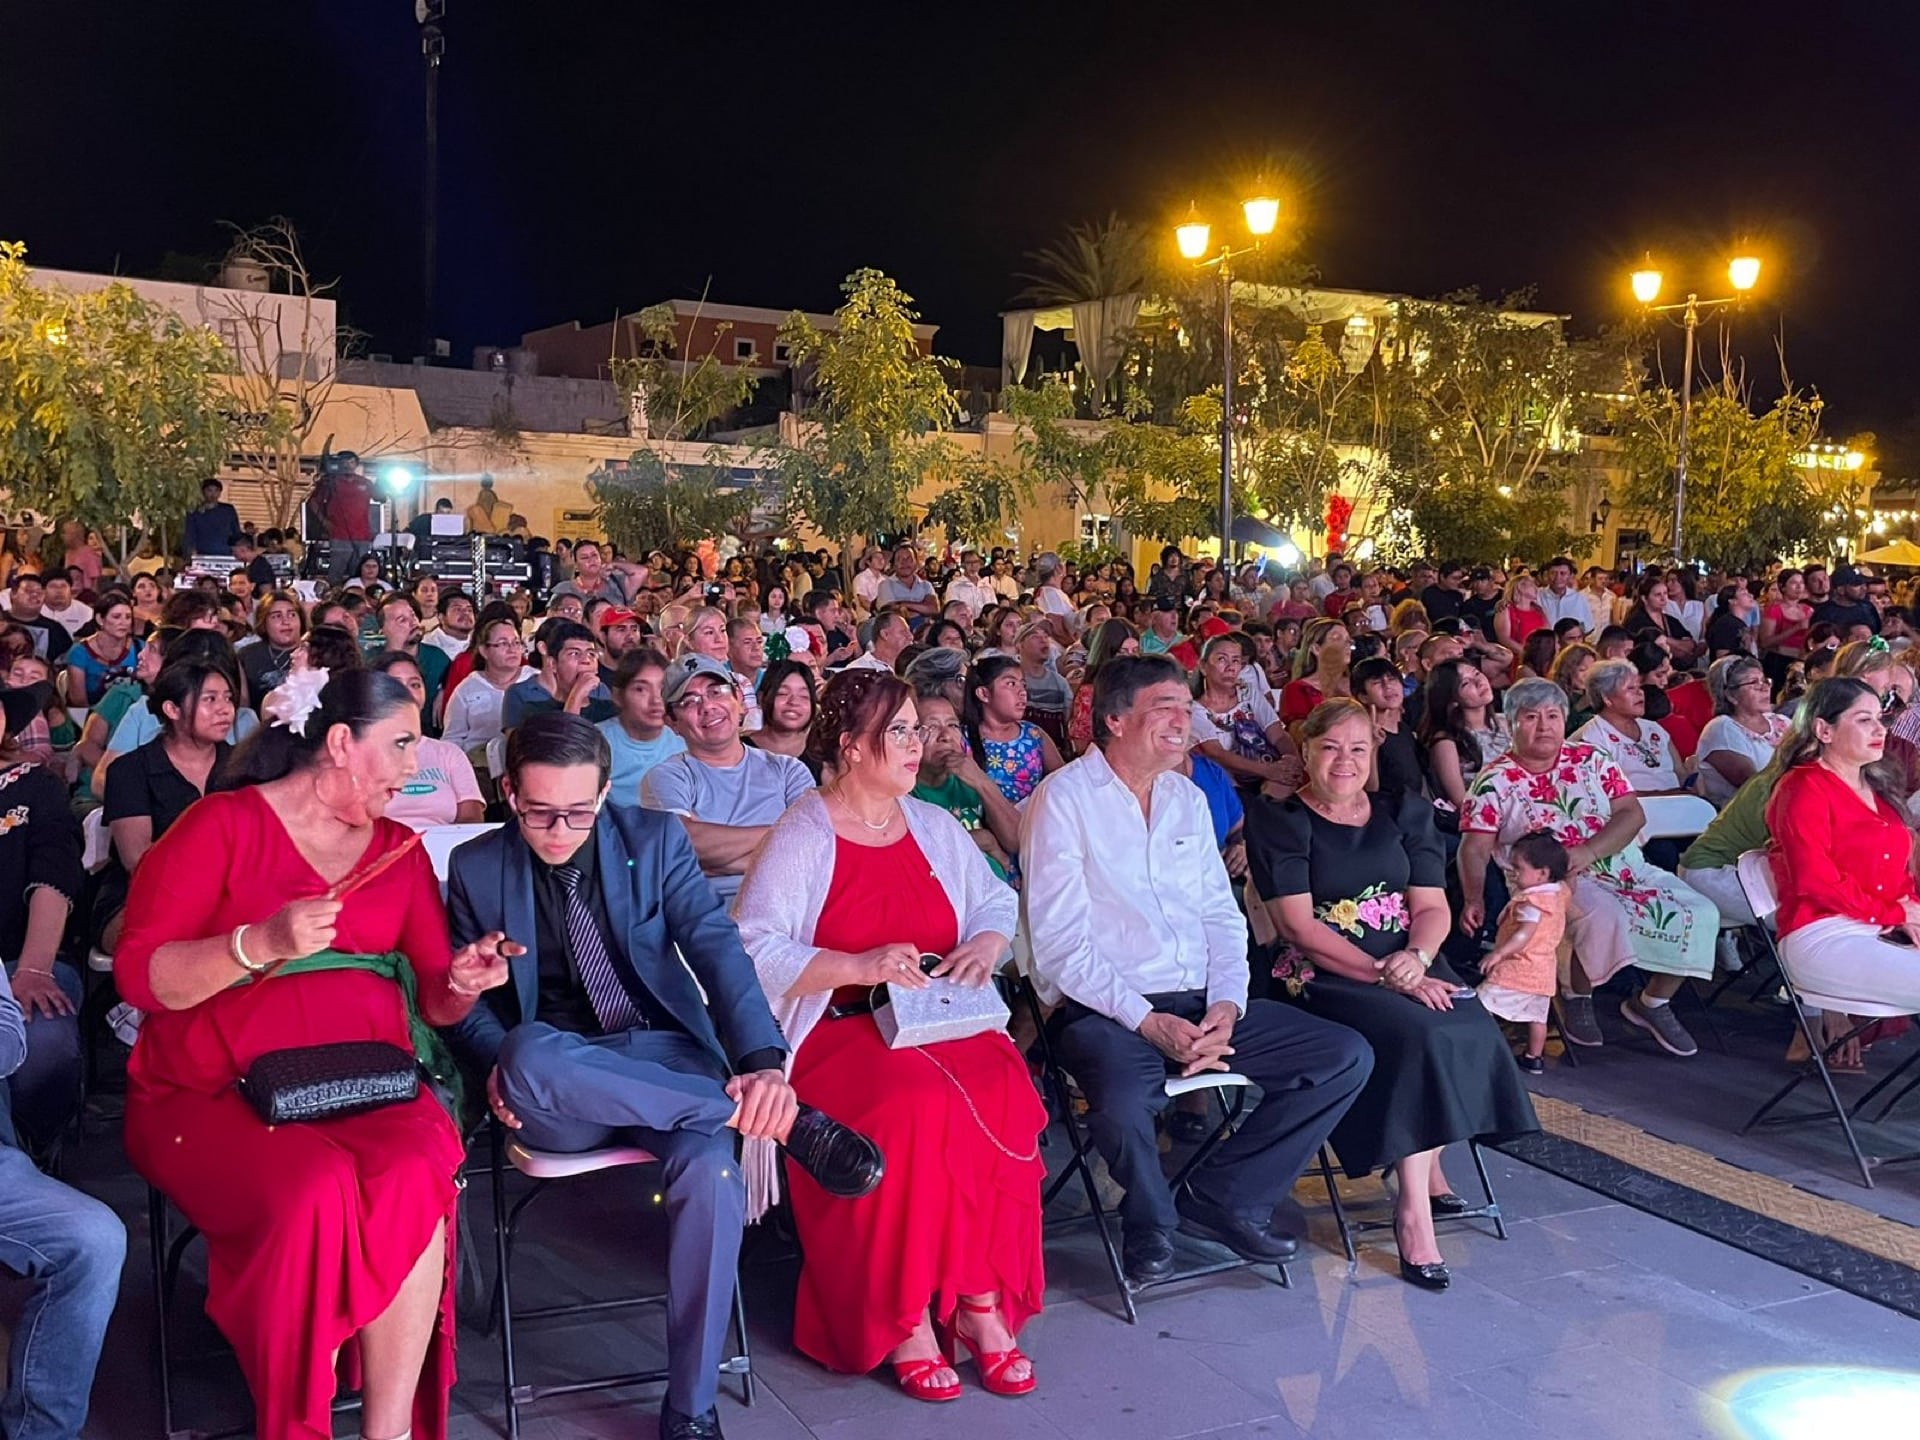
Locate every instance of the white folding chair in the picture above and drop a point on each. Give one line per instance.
(1674, 817)
(1756, 881)
(442, 840)
(544, 1167)
(497, 756)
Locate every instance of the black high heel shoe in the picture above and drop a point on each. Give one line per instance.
(1428, 1277)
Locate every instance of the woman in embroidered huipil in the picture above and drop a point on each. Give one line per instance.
(1355, 884)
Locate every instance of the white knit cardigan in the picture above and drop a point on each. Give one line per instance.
(779, 905)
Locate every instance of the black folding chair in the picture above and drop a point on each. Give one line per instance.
(1351, 1228)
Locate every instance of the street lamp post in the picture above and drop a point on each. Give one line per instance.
(1193, 235)
(1742, 273)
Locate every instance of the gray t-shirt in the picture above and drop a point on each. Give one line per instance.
(757, 791)
(892, 592)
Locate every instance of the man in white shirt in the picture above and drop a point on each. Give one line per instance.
(873, 569)
(1136, 936)
(1558, 598)
(61, 605)
(890, 636)
(970, 587)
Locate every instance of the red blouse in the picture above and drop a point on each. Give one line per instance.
(1831, 856)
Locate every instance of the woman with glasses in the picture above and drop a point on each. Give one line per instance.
(1745, 730)
(500, 663)
(945, 1253)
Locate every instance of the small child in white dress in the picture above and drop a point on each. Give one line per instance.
(1520, 972)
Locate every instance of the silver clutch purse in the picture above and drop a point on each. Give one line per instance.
(941, 1010)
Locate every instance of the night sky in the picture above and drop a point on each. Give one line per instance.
(605, 155)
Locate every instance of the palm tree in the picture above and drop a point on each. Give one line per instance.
(1090, 262)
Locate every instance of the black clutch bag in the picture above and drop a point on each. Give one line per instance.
(325, 1082)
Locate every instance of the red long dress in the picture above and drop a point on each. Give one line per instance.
(310, 1228)
(954, 1215)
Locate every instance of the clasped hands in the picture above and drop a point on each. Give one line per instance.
(1404, 974)
(971, 962)
(1194, 1047)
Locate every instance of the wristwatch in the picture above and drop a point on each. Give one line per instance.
(1425, 959)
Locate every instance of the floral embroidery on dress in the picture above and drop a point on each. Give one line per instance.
(14, 818)
(1375, 908)
(14, 774)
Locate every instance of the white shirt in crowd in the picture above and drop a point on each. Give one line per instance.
(1599, 611)
(1723, 732)
(977, 594)
(473, 710)
(1570, 606)
(433, 795)
(1120, 906)
(868, 661)
(1650, 763)
(866, 585)
(447, 644)
(1053, 601)
(73, 617)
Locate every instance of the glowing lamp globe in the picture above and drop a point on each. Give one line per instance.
(1263, 213)
(1646, 285)
(1744, 272)
(1192, 236)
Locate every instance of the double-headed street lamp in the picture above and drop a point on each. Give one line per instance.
(1743, 272)
(1194, 236)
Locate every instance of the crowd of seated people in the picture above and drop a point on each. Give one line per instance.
(1229, 818)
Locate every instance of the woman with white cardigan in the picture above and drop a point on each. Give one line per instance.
(852, 886)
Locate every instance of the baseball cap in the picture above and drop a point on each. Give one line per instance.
(1847, 575)
(685, 669)
(614, 615)
(1480, 572)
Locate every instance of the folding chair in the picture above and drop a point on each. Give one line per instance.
(543, 1168)
(1756, 881)
(1350, 1228)
(1230, 1089)
(167, 1250)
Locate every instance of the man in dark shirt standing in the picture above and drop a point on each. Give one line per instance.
(604, 1037)
(1477, 608)
(1847, 604)
(212, 525)
(1442, 599)
(51, 639)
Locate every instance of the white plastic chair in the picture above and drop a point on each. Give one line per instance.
(1755, 871)
(1674, 817)
(442, 840)
(95, 841)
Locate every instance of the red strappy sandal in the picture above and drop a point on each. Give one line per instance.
(916, 1378)
(993, 1364)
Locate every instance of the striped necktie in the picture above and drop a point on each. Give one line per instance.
(612, 1005)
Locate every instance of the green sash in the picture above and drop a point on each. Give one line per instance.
(428, 1048)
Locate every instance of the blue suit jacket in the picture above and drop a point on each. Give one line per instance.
(656, 898)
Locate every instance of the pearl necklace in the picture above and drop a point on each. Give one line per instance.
(847, 805)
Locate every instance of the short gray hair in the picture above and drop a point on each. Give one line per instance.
(1726, 675)
(1606, 677)
(1046, 564)
(1534, 694)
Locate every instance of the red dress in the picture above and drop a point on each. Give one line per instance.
(310, 1228)
(954, 1215)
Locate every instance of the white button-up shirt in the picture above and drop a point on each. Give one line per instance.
(1121, 905)
(1570, 606)
(977, 594)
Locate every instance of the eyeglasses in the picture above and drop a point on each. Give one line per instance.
(714, 696)
(510, 643)
(902, 736)
(541, 818)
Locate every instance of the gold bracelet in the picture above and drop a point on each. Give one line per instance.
(240, 955)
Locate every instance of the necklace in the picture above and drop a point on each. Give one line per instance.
(847, 805)
(1354, 809)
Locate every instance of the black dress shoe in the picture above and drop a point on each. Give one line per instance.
(1249, 1239)
(842, 1161)
(1447, 1205)
(1427, 1277)
(1146, 1256)
(675, 1426)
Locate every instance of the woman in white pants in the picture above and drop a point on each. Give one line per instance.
(1849, 917)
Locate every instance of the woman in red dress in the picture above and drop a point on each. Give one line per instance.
(333, 1236)
(946, 1251)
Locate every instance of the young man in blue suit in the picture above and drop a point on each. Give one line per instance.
(603, 1037)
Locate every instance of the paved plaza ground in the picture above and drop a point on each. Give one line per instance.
(1593, 1320)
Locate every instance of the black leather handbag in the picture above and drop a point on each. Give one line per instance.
(326, 1082)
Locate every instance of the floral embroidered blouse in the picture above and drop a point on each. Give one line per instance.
(1357, 875)
(1573, 798)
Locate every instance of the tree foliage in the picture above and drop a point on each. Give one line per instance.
(868, 426)
(111, 406)
(1749, 499)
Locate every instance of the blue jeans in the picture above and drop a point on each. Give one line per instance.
(70, 1247)
(44, 1093)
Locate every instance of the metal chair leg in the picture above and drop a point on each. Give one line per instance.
(503, 1260)
(157, 1244)
(746, 1355)
(1339, 1210)
(1493, 1211)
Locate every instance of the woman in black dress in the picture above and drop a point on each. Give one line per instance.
(1355, 885)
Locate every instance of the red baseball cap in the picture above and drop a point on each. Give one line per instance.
(614, 616)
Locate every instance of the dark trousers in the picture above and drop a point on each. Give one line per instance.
(1309, 1071)
(661, 1091)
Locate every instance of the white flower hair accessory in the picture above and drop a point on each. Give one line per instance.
(293, 701)
(798, 641)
